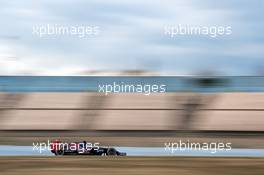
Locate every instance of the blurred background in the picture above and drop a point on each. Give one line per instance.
(68, 106)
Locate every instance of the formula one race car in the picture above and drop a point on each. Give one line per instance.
(82, 148)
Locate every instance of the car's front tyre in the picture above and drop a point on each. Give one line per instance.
(111, 152)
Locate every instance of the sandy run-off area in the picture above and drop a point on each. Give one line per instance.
(130, 165)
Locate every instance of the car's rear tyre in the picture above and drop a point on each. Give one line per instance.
(111, 152)
(59, 152)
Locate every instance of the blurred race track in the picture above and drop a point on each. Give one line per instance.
(130, 165)
(8, 150)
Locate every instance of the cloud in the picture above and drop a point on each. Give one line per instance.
(131, 36)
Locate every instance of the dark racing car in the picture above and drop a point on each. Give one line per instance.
(82, 148)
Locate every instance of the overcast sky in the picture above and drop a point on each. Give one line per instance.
(132, 36)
